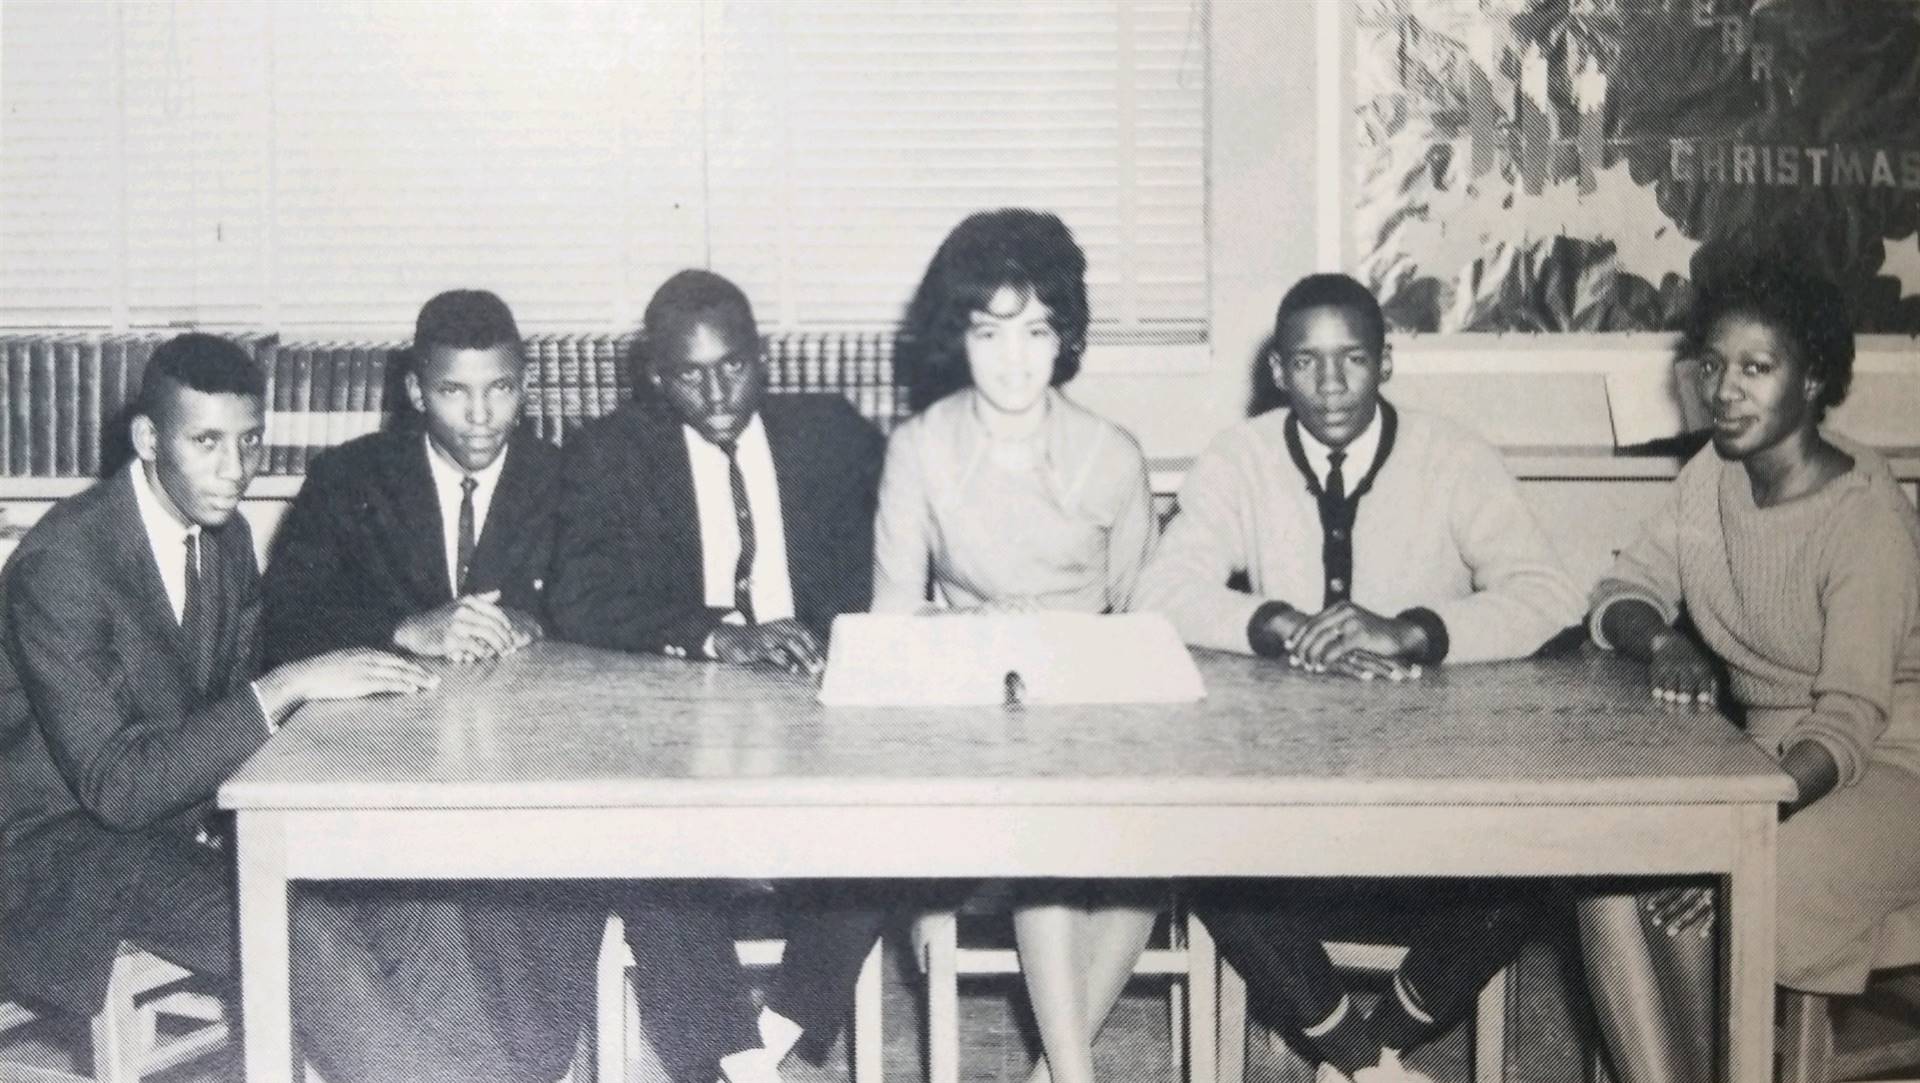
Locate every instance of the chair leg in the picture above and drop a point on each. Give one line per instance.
(1232, 1031)
(1203, 1004)
(868, 1031)
(940, 932)
(118, 1043)
(1176, 1031)
(1490, 1028)
(610, 1004)
(1806, 1042)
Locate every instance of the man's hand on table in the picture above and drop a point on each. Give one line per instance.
(1350, 639)
(467, 629)
(785, 643)
(349, 674)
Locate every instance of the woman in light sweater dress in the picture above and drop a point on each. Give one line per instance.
(1798, 560)
(1003, 495)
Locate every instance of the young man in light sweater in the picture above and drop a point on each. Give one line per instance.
(1375, 542)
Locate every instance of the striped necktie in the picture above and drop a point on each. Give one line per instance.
(743, 518)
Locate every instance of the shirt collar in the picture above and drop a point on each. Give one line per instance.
(162, 528)
(750, 441)
(447, 473)
(1361, 451)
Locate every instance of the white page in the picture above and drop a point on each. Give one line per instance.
(896, 660)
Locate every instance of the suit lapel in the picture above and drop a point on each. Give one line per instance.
(514, 500)
(668, 480)
(140, 576)
(239, 589)
(790, 479)
(420, 538)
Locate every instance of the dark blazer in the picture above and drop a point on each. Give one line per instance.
(107, 750)
(362, 548)
(627, 570)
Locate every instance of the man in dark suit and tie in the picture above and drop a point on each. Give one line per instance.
(432, 538)
(129, 690)
(706, 520)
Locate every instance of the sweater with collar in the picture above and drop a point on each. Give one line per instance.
(1442, 527)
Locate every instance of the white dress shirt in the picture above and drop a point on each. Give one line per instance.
(446, 485)
(167, 537)
(1361, 451)
(720, 532)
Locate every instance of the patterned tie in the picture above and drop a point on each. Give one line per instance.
(743, 518)
(200, 617)
(463, 547)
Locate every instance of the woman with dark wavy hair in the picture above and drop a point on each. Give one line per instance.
(1003, 495)
(1798, 560)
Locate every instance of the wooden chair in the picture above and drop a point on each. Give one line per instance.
(128, 1041)
(622, 1055)
(1189, 958)
(1807, 1053)
(1489, 1014)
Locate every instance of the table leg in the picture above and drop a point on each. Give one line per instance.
(1750, 947)
(264, 988)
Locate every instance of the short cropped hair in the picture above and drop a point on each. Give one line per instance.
(1030, 252)
(202, 362)
(691, 293)
(464, 320)
(1331, 290)
(1807, 311)
(1324, 290)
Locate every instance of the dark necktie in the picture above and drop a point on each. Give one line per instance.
(463, 547)
(200, 616)
(1336, 481)
(1336, 522)
(743, 518)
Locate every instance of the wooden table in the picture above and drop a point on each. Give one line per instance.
(566, 762)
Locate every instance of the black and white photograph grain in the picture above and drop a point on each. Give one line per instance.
(959, 541)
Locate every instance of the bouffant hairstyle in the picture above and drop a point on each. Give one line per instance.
(1030, 252)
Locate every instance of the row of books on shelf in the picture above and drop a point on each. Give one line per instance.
(65, 400)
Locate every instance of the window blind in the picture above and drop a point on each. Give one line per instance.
(420, 147)
(850, 137)
(60, 211)
(196, 135)
(323, 168)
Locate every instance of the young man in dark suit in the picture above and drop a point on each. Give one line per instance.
(130, 689)
(706, 520)
(431, 538)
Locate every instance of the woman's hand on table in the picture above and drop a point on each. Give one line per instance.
(1679, 673)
